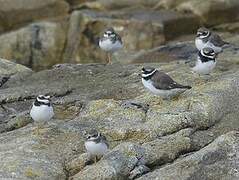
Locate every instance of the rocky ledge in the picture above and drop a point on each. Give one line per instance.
(193, 137)
(39, 34)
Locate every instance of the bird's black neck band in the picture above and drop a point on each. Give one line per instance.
(148, 77)
(38, 103)
(205, 59)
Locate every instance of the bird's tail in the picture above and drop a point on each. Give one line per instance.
(227, 44)
(230, 45)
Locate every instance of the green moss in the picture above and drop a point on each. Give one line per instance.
(29, 172)
(129, 153)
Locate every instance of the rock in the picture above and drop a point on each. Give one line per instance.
(176, 50)
(172, 51)
(114, 5)
(78, 163)
(143, 131)
(39, 45)
(168, 4)
(25, 155)
(212, 12)
(8, 68)
(19, 12)
(126, 158)
(218, 160)
(75, 2)
(138, 171)
(139, 30)
(228, 27)
(10, 71)
(15, 122)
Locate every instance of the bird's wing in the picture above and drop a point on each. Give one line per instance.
(165, 82)
(104, 140)
(116, 38)
(217, 41)
(119, 38)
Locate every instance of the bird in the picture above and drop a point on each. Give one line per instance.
(42, 110)
(206, 61)
(206, 38)
(96, 144)
(110, 42)
(161, 84)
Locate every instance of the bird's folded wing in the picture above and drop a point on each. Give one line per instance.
(217, 41)
(164, 82)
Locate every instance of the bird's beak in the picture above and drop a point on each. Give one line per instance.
(140, 74)
(198, 35)
(48, 96)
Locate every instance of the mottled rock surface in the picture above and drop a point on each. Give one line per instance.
(39, 45)
(16, 13)
(212, 12)
(147, 136)
(39, 34)
(218, 160)
(194, 136)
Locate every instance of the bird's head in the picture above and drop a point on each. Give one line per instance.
(203, 33)
(147, 71)
(208, 52)
(44, 99)
(93, 135)
(109, 33)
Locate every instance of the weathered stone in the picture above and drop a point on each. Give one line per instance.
(212, 12)
(184, 51)
(15, 122)
(142, 130)
(39, 45)
(170, 52)
(139, 30)
(78, 163)
(138, 171)
(122, 160)
(9, 68)
(115, 5)
(218, 160)
(75, 2)
(168, 4)
(16, 13)
(228, 27)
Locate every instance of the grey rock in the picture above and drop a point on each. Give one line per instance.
(17, 13)
(129, 159)
(38, 46)
(218, 160)
(76, 164)
(99, 96)
(212, 12)
(140, 29)
(138, 171)
(113, 5)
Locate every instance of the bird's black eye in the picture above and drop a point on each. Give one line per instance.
(143, 69)
(94, 136)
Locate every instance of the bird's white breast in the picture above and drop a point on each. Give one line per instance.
(41, 113)
(96, 148)
(163, 93)
(204, 67)
(199, 44)
(109, 46)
